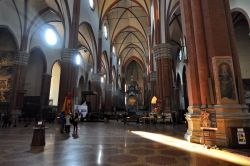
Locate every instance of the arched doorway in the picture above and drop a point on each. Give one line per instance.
(88, 51)
(174, 35)
(241, 28)
(36, 67)
(134, 76)
(55, 83)
(88, 48)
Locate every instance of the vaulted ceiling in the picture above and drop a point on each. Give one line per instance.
(128, 26)
(128, 23)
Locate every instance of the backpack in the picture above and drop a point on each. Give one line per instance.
(76, 119)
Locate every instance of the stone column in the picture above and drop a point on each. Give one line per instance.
(95, 81)
(45, 90)
(144, 89)
(153, 86)
(200, 46)
(211, 60)
(68, 75)
(108, 95)
(19, 72)
(163, 55)
(193, 86)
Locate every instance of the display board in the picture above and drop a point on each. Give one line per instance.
(82, 109)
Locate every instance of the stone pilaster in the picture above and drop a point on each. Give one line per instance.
(22, 58)
(95, 87)
(19, 73)
(45, 90)
(108, 95)
(68, 75)
(153, 86)
(68, 54)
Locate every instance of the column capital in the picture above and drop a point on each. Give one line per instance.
(67, 54)
(22, 58)
(164, 50)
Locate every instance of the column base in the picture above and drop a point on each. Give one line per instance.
(225, 119)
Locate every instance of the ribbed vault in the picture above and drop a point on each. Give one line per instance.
(128, 22)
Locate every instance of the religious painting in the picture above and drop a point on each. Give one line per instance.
(225, 86)
(6, 67)
(132, 100)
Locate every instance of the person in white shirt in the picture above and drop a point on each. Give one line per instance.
(67, 124)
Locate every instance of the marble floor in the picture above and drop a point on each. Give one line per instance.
(111, 143)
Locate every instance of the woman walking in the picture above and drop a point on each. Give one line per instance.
(75, 122)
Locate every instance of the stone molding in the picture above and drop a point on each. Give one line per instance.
(22, 58)
(67, 55)
(164, 50)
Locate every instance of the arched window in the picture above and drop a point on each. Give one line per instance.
(50, 36)
(92, 4)
(105, 31)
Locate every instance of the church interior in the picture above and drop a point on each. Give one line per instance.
(155, 82)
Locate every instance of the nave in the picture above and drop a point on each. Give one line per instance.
(111, 143)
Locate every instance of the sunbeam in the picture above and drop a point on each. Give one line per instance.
(196, 148)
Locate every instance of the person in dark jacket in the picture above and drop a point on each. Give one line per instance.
(62, 120)
(75, 122)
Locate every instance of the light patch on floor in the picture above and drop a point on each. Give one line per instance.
(196, 148)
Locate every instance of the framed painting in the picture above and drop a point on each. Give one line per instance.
(225, 86)
(6, 71)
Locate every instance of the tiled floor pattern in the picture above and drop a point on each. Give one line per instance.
(99, 143)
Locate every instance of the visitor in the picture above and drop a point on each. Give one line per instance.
(6, 121)
(67, 124)
(62, 120)
(75, 122)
